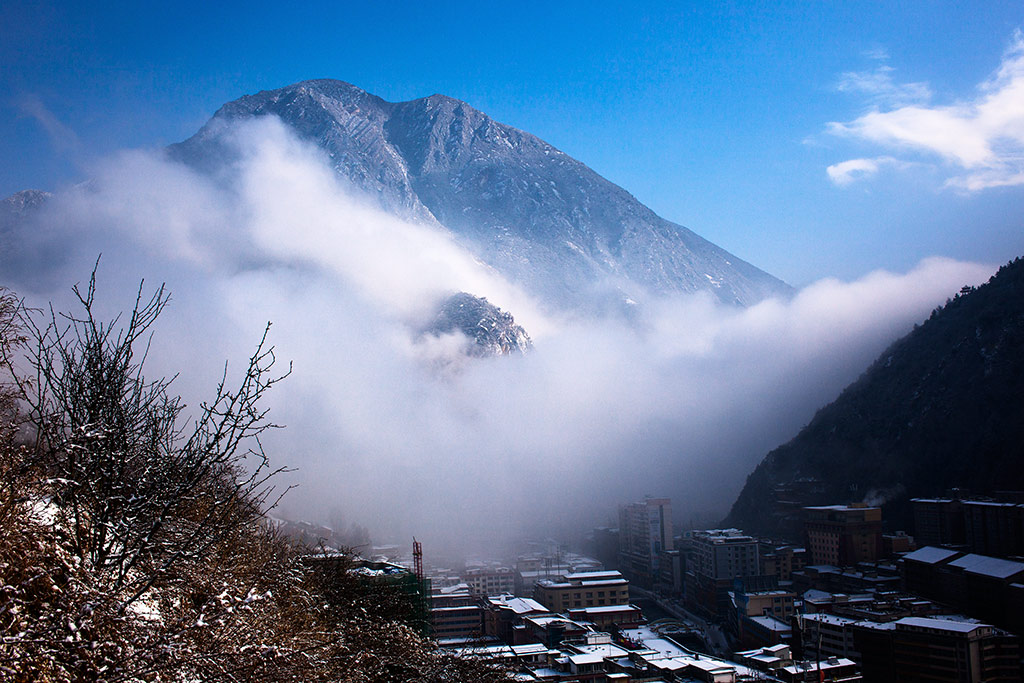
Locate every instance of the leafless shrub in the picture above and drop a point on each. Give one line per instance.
(135, 546)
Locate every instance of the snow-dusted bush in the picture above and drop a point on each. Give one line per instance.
(134, 544)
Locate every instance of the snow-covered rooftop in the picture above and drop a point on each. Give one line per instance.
(604, 609)
(593, 576)
(939, 624)
(517, 605)
(603, 649)
(930, 554)
(824, 665)
(988, 566)
(833, 619)
(772, 623)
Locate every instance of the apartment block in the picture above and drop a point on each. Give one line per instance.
(645, 530)
(843, 535)
(931, 649)
(584, 589)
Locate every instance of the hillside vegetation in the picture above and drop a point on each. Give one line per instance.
(135, 543)
(943, 407)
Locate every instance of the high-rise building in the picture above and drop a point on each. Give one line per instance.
(843, 535)
(938, 521)
(722, 560)
(986, 527)
(645, 530)
(994, 528)
(725, 554)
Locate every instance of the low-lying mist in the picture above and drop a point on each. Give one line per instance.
(681, 399)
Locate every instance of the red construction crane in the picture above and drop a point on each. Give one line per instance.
(417, 558)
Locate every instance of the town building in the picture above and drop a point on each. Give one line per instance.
(863, 578)
(582, 589)
(724, 554)
(933, 649)
(485, 581)
(504, 615)
(401, 585)
(781, 561)
(645, 530)
(553, 629)
(454, 595)
(938, 522)
(879, 606)
(766, 659)
(833, 669)
(820, 636)
(994, 528)
(843, 535)
(761, 618)
(720, 561)
(763, 630)
(987, 588)
(671, 573)
(986, 526)
(461, 622)
(776, 603)
(608, 617)
(549, 565)
(897, 544)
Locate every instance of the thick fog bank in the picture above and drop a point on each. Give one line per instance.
(403, 434)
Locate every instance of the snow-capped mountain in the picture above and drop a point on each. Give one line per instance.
(535, 214)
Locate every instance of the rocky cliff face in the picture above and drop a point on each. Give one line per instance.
(491, 331)
(941, 408)
(532, 212)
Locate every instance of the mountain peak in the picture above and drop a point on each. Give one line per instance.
(538, 216)
(439, 99)
(23, 201)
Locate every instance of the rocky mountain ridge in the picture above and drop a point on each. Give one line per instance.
(538, 216)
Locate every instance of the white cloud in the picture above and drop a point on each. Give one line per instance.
(62, 137)
(981, 139)
(877, 53)
(881, 89)
(682, 401)
(847, 172)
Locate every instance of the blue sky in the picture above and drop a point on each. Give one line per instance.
(812, 139)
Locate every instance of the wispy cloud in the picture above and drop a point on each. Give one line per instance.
(878, 85)
(847, 172)
(878, 53)
(980, 139)
(62, 137)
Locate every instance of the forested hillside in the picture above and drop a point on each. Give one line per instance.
(942, 407)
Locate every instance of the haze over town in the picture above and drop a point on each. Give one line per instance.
(688, 392)
(568, 342)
